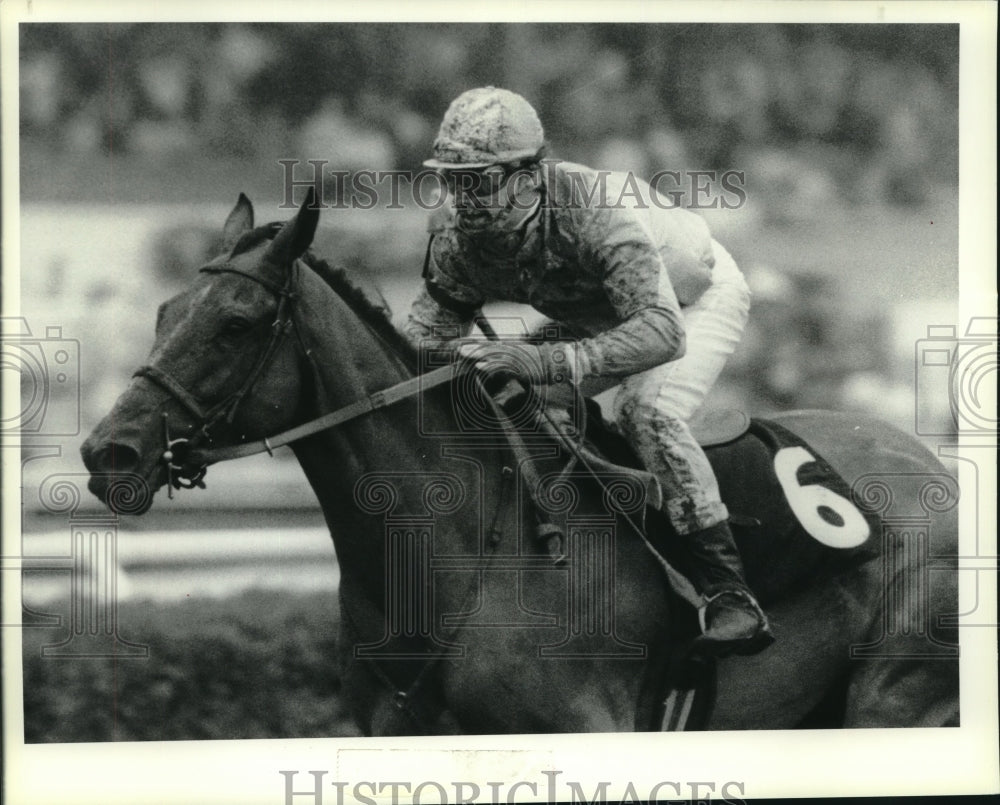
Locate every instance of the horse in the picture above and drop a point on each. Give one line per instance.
(455, 616)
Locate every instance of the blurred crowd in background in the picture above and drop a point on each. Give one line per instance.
(847, 136)
(800, 106)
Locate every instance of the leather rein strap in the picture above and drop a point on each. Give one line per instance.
(373, 402)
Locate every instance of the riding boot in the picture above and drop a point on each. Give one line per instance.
(732, 621)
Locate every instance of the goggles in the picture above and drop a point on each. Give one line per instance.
(478, 182)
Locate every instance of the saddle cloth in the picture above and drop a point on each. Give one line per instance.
(779, 548)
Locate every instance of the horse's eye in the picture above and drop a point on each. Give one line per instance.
(236, 326)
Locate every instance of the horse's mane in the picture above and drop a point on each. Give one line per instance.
(376, 314)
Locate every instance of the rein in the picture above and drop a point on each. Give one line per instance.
(380, 399)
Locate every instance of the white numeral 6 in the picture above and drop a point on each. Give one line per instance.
(827, 516)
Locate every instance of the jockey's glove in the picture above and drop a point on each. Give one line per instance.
(534, 364)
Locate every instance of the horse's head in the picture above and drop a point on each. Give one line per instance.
(231, 332)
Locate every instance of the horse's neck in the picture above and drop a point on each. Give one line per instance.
(347, 369)
(351, 362)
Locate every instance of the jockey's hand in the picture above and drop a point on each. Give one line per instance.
(532, 364)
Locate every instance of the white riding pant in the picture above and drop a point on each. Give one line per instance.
(652, 408)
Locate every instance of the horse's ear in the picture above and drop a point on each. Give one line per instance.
(297, 234)
(240, 220)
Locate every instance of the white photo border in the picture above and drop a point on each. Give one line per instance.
(766, 763)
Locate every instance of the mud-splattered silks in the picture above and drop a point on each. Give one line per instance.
(652, 297)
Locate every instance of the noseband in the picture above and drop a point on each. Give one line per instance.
(181, 473)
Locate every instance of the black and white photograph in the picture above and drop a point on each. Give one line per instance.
(552, 403)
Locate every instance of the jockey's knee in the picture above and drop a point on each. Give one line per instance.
(638, 414)
(638, 401)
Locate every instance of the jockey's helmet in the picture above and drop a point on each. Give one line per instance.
(487, 126)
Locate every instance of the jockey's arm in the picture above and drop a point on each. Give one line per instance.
(651, 329)
(651, 337)
(433, 324)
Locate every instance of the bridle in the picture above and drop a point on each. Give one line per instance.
(187, 460)
(181, 472)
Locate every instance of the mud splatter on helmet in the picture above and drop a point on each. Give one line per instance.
(487, 126)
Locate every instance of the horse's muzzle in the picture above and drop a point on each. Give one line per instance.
(115, 476)
(111, 457)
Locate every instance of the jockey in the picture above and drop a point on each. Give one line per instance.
(650, 299)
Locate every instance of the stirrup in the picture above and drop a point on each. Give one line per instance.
(735, 591)
(751, 644)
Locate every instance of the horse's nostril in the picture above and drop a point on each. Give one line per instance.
(117, 457)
